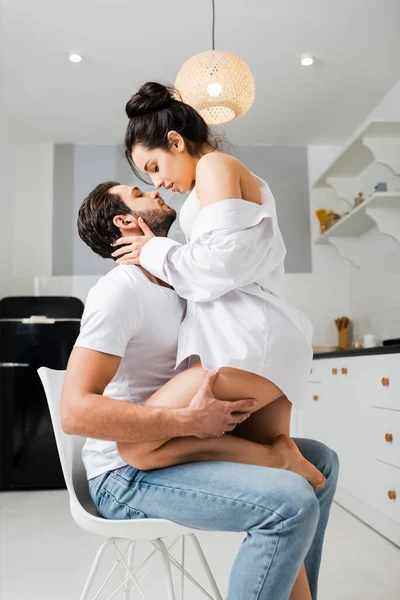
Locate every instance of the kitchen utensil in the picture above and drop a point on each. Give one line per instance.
(369, 340)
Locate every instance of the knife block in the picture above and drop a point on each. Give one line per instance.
(344, 339)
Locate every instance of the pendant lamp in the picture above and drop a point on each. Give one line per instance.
(218, 84)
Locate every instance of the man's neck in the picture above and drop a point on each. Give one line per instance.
(154, 279)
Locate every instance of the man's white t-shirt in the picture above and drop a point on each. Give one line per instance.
(129, 316)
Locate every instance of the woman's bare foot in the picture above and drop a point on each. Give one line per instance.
(295, 461)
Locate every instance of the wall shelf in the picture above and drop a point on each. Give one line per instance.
(381, 210)
(367, 231)
(363, 218)
(377, 141)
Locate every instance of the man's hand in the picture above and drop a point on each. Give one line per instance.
(212, 417)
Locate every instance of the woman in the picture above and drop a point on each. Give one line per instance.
(231, 275)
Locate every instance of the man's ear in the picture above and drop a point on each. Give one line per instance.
(176, 140)
(126, 223)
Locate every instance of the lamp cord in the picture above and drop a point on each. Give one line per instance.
(213, 25)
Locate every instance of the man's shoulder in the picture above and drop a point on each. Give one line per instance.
(119, 284)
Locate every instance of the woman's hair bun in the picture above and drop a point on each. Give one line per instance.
(152, 96)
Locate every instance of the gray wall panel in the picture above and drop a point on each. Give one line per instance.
(63, 193)
(284, 168)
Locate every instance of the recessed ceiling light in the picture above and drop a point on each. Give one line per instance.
(307, 60)
(75, 58)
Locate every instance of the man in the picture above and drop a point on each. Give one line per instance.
(126, 350)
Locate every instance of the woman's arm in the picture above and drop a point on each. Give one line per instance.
(215, 264)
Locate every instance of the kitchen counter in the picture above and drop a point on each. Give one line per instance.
(394, 349)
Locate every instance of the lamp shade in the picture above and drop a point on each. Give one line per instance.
(219, 85)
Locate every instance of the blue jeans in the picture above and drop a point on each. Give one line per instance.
(284, 518)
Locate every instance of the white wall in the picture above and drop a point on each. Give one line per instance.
(323, 298)
(26, 216)
(7, 204)
(389, 108)
(373, 291)
(375, 288)
(32, 228)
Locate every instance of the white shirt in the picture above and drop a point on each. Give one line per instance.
(231, 274)
(129, 316)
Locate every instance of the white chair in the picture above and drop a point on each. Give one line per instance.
(117, 532)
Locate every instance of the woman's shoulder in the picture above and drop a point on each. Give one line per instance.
(221, 176)
(213, 162)
(217, 178)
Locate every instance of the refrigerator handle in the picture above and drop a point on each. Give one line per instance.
(13, 364)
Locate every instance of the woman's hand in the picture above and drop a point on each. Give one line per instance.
(131, 250)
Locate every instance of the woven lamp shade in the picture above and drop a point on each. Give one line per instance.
(219, 85)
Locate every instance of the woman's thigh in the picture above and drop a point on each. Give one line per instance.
(230, 384)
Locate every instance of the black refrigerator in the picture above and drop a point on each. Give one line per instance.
(35, 331)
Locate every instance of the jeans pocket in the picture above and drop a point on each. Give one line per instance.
(110, 508)
(128, 475)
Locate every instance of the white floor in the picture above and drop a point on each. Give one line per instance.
(46, 556)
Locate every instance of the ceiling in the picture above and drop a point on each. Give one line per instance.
(125, 43)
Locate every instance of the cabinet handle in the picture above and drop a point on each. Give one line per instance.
(389, 437)
(385, 381)
(344, 371)
(392, 495)
(310, 370)
(315, 397)
(334, 371)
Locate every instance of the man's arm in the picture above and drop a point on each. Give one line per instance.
(86, 412)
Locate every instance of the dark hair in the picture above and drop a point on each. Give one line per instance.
(157, 109)
(95, 219)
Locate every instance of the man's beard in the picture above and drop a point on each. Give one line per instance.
(159, 221)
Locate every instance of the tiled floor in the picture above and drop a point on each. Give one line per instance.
(46, 556)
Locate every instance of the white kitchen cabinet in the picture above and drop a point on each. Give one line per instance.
(385, 436)
(354, 407)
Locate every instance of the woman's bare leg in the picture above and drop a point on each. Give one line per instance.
(231, 384)
(263, 427)
(253, 437)
(270, 421)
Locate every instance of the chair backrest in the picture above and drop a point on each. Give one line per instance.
(69, 446)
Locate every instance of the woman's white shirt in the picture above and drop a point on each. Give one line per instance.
(231, 274)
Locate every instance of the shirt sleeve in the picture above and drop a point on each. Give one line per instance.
(109, 321)
(213, 265)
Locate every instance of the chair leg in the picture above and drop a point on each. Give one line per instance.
(167, 568)
(93, 570)
(183, 567)
(206, 566)
(131, 555)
